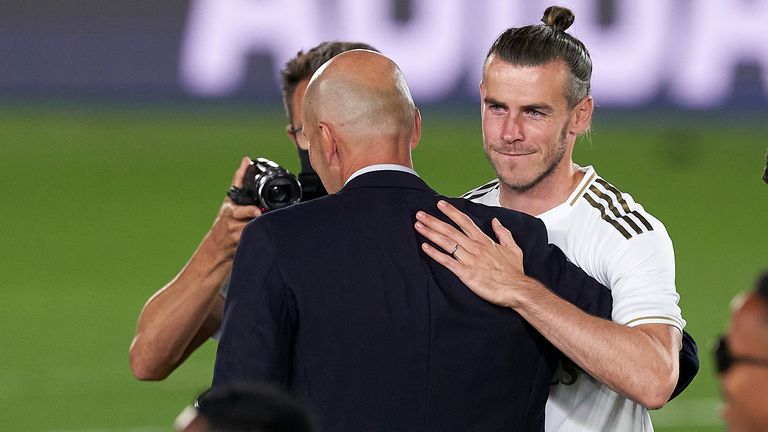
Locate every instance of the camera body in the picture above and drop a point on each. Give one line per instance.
(268, 186)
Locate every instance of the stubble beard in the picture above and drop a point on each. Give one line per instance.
(524, 185)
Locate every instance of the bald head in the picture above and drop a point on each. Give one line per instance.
(363, 94)
(358, 111)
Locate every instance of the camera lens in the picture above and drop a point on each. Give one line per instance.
(281, 192)
(269, 186)
(278, 193)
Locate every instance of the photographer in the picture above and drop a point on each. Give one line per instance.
(187, 311)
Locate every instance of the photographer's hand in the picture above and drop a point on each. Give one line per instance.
(231, 219)
(187, 311)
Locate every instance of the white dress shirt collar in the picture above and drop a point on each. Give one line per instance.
(381, 167)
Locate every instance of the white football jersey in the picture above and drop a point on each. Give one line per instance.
(612, 238)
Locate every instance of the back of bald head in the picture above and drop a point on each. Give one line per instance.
(362, 94)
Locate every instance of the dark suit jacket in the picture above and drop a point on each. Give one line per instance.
(335, 300)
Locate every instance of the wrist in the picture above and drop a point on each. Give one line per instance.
(525, 293)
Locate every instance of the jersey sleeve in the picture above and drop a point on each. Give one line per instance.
(548, 264)
(642, 281)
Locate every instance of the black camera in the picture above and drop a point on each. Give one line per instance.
(267, 185)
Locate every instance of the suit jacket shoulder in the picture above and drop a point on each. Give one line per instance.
(543, 261)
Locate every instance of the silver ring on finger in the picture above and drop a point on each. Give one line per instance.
(453, 252)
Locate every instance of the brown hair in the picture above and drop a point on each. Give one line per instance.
(535, 45)
(304, 65)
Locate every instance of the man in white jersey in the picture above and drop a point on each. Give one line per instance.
(535, 102)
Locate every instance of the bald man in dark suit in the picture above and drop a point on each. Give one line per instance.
(345, 309)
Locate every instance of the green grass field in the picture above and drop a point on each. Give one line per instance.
(102, 205)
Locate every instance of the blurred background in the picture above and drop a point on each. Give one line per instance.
(121, 124)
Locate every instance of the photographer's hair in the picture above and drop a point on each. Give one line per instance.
(304, 65)
(253, 408)
(536, 45)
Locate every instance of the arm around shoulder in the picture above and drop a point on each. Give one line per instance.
(639, 362)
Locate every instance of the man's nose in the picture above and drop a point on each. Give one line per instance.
(512, 130)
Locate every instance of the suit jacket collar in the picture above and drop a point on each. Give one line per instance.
(397, 179)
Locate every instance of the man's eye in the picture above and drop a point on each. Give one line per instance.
(534, 113)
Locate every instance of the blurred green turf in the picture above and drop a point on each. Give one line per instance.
(103, 205)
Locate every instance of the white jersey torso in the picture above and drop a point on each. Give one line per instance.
(613, 239)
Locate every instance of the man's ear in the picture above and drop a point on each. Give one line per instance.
(330, 150)
(581, 117)
(416, 128)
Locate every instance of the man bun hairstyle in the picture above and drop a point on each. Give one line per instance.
(559, 18)
(536, 45)
(304, 64)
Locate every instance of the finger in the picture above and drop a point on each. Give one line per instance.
(236, 234)
(506, 239)
(503, 234)
(440, 233)
(446, 243)
(237, 179)
(237, 227)
(246, 212)
(437, 225)
(445, 260)
(462, 220)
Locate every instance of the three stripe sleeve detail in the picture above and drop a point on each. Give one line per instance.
(615, 210)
